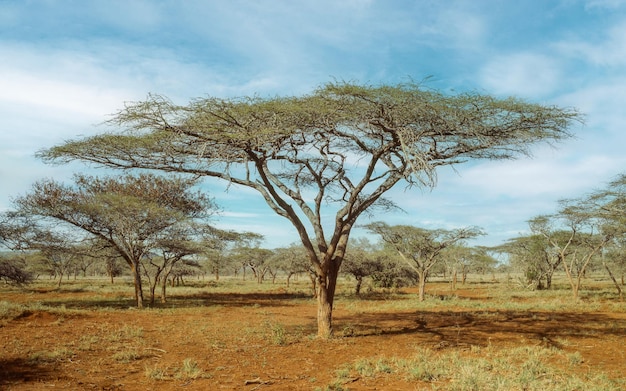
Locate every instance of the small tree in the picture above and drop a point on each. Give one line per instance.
(293, 261)
(608, 205)
(168, 251)
(536, 257)
(13, 269)
(458, 258)
(421, 248)
(129, 212)
(216, 249)
(361, 262)
(335, 152)
(584, 238)
(13, 265)
(256, 258)
(56, 250)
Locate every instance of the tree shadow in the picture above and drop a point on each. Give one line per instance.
(19, 370)
(480, 328)
(206, 299)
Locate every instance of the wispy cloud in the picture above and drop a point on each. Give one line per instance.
(522, 74)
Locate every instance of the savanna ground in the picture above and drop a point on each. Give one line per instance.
(236, 335)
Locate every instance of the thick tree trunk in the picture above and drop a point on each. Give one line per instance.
(326, 286)
(138, 289)
(324, 310)
(422, 285)
(313, 285)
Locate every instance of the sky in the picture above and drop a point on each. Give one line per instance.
(67, 65)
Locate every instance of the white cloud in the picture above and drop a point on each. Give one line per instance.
(537, 177)
(605, 48)
(522, 74)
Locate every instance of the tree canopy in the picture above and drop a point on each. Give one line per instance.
(338, 149)
(134, 214)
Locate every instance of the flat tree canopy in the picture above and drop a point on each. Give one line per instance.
(335, 151)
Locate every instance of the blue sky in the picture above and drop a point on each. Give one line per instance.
(67, 65)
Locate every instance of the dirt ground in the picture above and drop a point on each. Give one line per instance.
(265, 341)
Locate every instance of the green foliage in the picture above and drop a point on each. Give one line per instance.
(276, 333)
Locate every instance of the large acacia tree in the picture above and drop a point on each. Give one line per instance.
(335, 151)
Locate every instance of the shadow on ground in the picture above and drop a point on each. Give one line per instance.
(19, 370)
(450, 328)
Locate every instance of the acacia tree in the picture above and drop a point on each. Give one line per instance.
(609, 206)
(129, 212)
(576, 234)
(174, 244)
(361, 262)
(334, 152)
(536, 256)
(56, 250)
(458, 258)
(421, 248)
(256, 258)
(219, 244)
(14, 232)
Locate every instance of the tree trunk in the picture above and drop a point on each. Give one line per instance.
(549, 280)
(165, 275)
(152, 293)
(137, 280)
(326, 286)
(324, 310)
(619, 290)
(422, 285)
(359, 282)
(313, 285)
(164, 288)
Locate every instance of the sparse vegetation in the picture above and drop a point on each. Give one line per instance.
(485, 335)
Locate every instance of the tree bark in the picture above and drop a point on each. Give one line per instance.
(359, 282)
(326, 285)
(324, 310)
(422, 285)
(138, 289)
